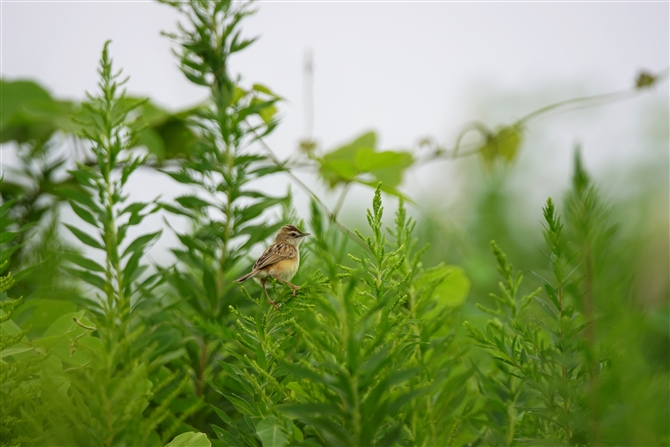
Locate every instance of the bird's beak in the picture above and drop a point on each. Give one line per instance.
(305, 234)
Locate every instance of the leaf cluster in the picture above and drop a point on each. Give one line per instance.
(361, 358)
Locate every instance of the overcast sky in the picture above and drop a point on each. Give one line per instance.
(406, 70)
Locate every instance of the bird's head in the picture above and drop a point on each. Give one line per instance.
(290, 234)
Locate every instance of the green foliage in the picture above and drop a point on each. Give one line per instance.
(551, 369)
(101, 206)
(19, 361)
(33, 118)
(502, 144)
(30, 114)
(361, 357)
(361, 162)
(228, 217)
(15, 371)
(369, 352)
(97, 389)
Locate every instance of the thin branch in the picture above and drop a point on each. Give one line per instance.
(340, 200)
(561, 106)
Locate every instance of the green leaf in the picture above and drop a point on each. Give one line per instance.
(134, 208)
(240, 404)
(337, 171)
(346, 163)
(504, 144)
(130, 271)
(271, 432)
(84, 214)
(340, 164)
(267, 170)
(83, 262)
(193, 202)
(85, 238)
(177, 136)
(7, 237)
(267, 114)
(88, 277)
(152, 140)
(29, 113)
(38, 314)
(78, 195)
(16, 95)
(257, 208)
(140, 243)
(388, 167)
(85, 176)
(226, 437)
(190, 439)
(547, 308)
(449, 286)
(6, 206)
(181, 177)
(15, 350)
(263, 89)
(222, 414)
(367, 159)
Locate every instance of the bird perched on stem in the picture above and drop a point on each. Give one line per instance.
(280, 260)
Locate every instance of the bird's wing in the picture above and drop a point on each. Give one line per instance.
(275, 253)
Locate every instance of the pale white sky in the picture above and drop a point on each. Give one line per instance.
(407, 70)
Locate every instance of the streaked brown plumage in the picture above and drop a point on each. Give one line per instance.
(280, 260)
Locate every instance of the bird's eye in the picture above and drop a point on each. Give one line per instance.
(294, 234)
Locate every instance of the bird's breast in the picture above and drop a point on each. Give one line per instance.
(285, 269)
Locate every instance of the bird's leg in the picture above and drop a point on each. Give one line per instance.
(292, 286)
(268, 296)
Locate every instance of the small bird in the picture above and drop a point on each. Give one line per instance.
(280, 260)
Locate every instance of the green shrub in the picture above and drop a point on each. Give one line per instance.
(378, 348)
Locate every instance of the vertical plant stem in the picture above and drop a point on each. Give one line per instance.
(590, 333)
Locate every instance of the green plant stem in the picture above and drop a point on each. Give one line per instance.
(340, 200)
(564, 371)
(590, 333)
(584, 101)
(229, 215)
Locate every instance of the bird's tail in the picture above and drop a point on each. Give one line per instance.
(247, 276)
